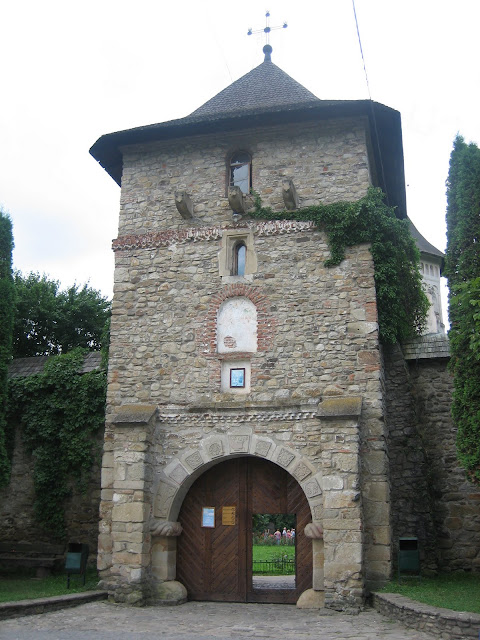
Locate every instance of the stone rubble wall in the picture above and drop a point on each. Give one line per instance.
(431, 498)
(328, 161)
(410, 489)
(441, 623)
(456, 501)
(17, 519)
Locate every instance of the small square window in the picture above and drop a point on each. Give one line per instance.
(237, 378)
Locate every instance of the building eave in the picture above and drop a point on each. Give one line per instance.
(384, 125)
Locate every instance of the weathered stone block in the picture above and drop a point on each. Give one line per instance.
(129, 512)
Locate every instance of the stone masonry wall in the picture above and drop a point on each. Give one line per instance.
(431, 498)
(317, 334)
(17, 521)
(410, 489)
(328, 161)
(456, 513)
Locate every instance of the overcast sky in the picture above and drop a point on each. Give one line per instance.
(72, 71)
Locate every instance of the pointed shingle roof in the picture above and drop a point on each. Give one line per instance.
(266, 86)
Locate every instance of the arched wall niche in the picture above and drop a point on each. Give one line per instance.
(237, 326)
(266, 324)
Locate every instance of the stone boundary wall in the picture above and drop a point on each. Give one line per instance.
(22, 608)
(455, 500)
(410, 492)
(442, 623)
(17, 518)
(431, 497)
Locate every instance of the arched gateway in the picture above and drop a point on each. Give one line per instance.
(214, 557)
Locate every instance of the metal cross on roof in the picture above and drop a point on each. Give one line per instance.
(267, 28)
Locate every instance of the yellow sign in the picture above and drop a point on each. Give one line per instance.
(228, 515)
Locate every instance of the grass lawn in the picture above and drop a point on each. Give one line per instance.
(267, 553)
(457, 591)
(24, 587)
(276, 554)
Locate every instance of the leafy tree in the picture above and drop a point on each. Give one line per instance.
(7, 301)
(50, 321)
(463, 273)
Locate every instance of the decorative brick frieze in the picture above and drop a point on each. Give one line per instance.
(157, 240)
(239, 417)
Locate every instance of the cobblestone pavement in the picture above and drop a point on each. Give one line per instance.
(204, 621)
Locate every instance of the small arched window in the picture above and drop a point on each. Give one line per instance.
(241, 171)
(239, 259)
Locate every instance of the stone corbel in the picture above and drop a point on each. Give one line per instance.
(340, 407)
(184, 204)
(135, 415)
(165, 528)
(236, 200)
(313, 531)
(290, 197)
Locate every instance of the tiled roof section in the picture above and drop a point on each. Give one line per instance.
(23, 367)
(265, 86)
(423, 245)
(434, 345)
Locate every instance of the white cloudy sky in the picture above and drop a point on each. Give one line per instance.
(72, 71)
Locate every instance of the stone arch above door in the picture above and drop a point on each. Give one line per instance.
(177, 477)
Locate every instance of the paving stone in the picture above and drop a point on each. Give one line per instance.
(205, 621)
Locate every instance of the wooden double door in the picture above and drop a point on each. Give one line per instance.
(215, 562)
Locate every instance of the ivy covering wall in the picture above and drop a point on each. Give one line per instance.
(60, 411)
(401, 302)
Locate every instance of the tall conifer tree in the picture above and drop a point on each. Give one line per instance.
(463, 273)
(7, 305)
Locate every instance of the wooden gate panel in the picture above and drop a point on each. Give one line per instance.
(211, 562)
(298, 504)
(216, 563)
(228, 564)
(268, 487)
(191, 562)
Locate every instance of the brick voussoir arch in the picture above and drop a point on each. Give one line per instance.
(265, 319)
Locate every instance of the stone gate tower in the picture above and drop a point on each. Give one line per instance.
(245, 376)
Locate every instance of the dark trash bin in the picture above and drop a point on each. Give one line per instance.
(408, 557)
(76, 561)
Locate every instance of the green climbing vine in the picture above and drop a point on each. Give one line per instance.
(60, 411)
(401, 302)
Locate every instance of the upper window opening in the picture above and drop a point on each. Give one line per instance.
(239, 259)
(240, 171)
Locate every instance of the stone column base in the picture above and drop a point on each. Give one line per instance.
(168, 593)
(311, 599)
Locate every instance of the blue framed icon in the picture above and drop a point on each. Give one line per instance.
(237, 378)
(208, 517)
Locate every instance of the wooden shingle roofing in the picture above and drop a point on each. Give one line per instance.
(265, 86)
